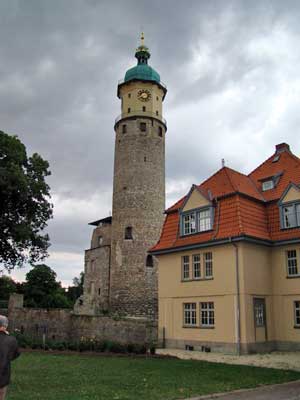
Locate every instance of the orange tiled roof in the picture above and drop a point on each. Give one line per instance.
(241, 207)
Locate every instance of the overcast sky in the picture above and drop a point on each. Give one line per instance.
(232, 71)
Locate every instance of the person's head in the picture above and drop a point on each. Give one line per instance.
(3, 323)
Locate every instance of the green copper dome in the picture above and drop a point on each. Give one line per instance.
(142, 71)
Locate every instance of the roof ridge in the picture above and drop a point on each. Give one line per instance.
(211, 176)
(177, 202)
(230, 180)
(256, 188)
(260, 165)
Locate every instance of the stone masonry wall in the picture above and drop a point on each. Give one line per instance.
(61, 324)
(95, 298)
(138, 202)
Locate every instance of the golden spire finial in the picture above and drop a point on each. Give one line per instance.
(142, 38)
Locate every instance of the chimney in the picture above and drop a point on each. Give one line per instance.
(281, 147)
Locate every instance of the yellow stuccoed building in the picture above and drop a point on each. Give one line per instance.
(229, 253)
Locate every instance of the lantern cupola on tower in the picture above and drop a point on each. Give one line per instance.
(142, 71)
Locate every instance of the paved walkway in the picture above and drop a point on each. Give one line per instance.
(277, 360)
(286, 391)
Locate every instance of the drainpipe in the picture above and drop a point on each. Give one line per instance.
(238, 311)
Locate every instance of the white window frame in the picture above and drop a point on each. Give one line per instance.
(189, 223)
(207, 314)
(297, 313)
(196, 221)
(208, 264)
(185, 267)
(292, 262)
(189, 314)
(196, 265)
(267, 185)
(204, 220)
(290, 219)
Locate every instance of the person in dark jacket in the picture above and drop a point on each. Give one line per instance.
(8, 352)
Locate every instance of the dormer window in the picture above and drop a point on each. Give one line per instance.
(189, 223)
(199, 220)
(291, 215)
(267, 185)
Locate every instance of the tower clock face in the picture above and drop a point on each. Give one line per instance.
(144, 95)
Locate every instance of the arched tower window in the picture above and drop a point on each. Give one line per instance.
(128, 232)
(149, 261)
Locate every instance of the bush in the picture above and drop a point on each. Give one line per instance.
(118, 348)
(136, 348)
(84, 345)
(74, 346)
(100, 346)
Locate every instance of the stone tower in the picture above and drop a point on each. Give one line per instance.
(120, 276)
(138, 189)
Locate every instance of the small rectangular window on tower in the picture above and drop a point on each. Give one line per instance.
(129, 95)
(144, 108)
(160, 131)
(129, 109)
(143, 127)
(156, 112)
(124, 128)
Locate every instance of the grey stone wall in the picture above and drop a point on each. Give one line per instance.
(61, 324)
(96, 286)
(138, 202)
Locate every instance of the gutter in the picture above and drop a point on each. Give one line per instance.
(212, 242)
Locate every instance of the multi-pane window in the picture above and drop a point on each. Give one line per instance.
(259, 312)
(196, 266)
(189, 223)
(207, 314)
(189, 310)
(208, 265)
(197, 221)
(297, 313)
(292, 268)
(204, 220)
(291, 215)
(185, 267)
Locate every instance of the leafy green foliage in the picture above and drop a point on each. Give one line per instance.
(75, 377)
(76, 290)
(25, 207)
(42, 290)
(7, 286)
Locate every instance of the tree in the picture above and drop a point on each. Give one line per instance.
(76, 290)
(24, 204)
(42, 289)
(7, 286)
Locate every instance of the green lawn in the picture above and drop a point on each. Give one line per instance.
(80, 377)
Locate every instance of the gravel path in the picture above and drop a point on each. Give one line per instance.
(277, 360)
